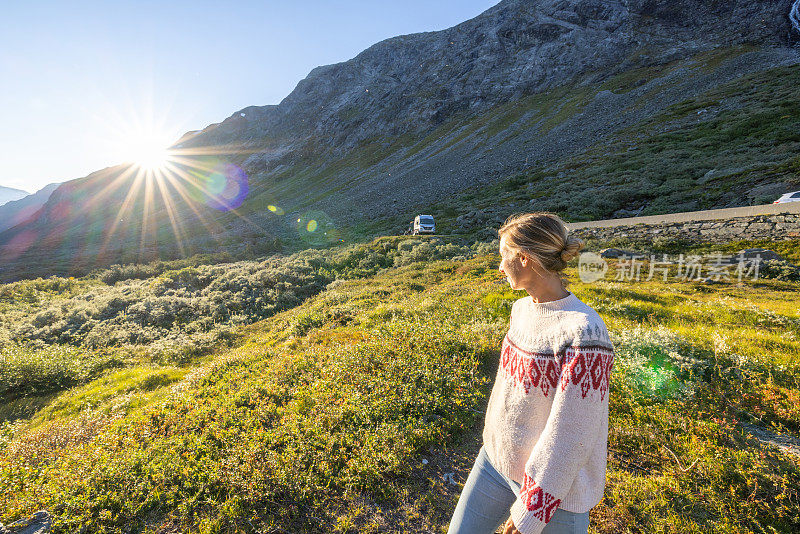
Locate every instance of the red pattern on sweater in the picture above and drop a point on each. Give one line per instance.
(529, 369)
(536, 500)
(589, 367)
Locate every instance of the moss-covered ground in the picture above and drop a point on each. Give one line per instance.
(351, 411)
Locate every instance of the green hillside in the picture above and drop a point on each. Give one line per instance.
(345, 408)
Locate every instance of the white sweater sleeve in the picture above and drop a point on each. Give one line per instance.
(569, 436)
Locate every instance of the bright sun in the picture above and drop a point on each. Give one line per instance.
(149, 153)
(139, 135)
(144, 144)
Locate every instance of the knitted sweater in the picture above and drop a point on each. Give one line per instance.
(547, 419)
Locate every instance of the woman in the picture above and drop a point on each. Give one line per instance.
(544, 439)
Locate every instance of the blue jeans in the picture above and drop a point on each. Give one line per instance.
(485, 504)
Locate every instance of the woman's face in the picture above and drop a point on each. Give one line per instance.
(512, 265)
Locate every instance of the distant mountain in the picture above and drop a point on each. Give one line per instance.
(591, 108)
(7, 194)
(17, 211)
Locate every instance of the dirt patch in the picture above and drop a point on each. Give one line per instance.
(786, 443)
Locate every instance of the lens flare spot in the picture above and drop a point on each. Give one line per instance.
(215, 184)
(221, 185)
(316, 227)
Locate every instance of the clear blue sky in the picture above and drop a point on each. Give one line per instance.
(78, 76)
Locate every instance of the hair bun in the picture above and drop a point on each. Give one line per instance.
(571, 248)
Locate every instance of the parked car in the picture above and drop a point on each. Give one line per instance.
(794, 196)
(424, 224)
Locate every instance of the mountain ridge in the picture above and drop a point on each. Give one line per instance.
(9, 194)
(18, 211)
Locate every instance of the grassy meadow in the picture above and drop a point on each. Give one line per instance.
(343, 390)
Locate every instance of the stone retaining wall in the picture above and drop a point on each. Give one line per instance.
(776, 227)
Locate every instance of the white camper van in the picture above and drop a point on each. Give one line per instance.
(423, 224)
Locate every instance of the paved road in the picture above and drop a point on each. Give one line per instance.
(691, 216)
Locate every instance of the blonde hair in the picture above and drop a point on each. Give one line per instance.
(543, 237)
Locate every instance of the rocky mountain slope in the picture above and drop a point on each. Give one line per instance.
(411, 82)
(590, 108)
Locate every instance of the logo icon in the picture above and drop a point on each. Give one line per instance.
(591, 267)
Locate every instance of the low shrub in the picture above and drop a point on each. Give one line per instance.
(657, 362)
(29, 371)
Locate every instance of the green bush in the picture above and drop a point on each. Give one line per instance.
(779, 270)
(27, 371)
(158, 303)
(657, 362)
